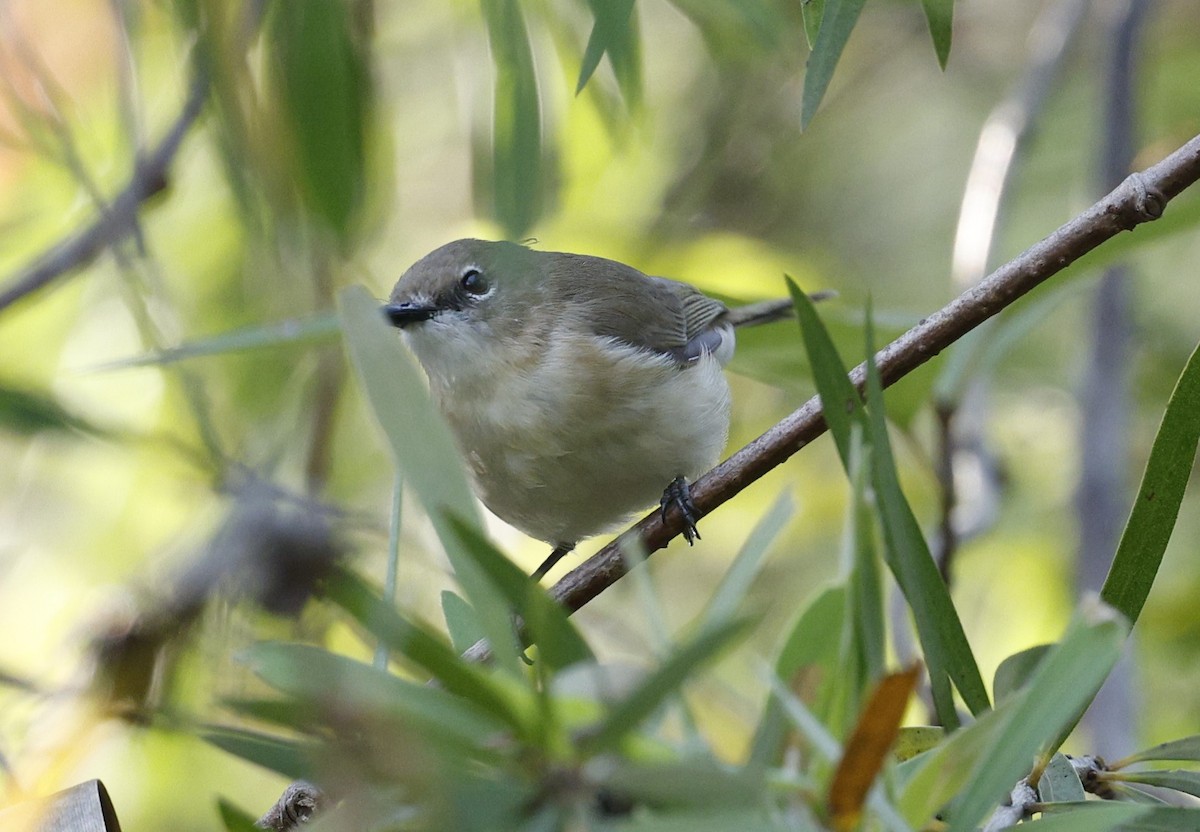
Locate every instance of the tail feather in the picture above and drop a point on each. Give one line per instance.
(768, 311)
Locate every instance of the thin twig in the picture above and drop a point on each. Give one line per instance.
(120, 219)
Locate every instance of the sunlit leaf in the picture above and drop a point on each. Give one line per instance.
(837, 21)
(1059, 783)
(1152, 520)
(867, 749)
(912, 740)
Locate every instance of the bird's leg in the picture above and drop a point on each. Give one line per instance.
(560, 551)
(680, 496)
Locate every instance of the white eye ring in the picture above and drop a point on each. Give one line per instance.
(474, 283)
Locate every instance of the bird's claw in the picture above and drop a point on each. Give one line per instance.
(679, 495)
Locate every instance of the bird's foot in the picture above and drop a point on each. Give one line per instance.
(560, 551)
(679, 495)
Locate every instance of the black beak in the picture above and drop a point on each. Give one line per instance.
(403, 314)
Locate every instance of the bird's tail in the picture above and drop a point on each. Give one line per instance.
(767, 311)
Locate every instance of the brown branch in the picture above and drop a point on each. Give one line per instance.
(1140, 198)
(119, 220)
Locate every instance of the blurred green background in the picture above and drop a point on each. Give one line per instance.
(342, 141)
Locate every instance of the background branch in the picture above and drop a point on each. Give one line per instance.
(119, 220)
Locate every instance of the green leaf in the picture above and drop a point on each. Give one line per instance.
(947, 652)
(916, 739)
(26, 412)
(837, 21)
(1087, 817)
(559, 643)
(322, 80)
(1015, 671)
(664, 682)
(517, 174)
(326, 679)
(1059, 782)
(311, 330)
(1178, 780)
(1187, 748)
(424, 451)
(736, 582)
(813, 11)
(812, 640)
(683, 783)
(841, 404)
(940, 16)
(287, 757)
(709, 820)
(1152, 520)
(419, 646)
(615, 33)
(1060, 690)
(865, 607)
(461, 622)
(235, 819)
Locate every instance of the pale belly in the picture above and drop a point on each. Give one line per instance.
(567, 450)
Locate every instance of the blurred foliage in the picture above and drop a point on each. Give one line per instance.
(155, 400)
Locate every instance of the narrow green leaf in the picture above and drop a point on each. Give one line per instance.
(1059, 782)
(424, 451)
(323, 678)
(1015, 671)
(708, 820)
(461, 622)
(235, 819)
(686, 783)
(805, 721)
(1187, 748)
(841, 404)
(1152, 520)
(559, 643)
(1052, 702)
(287, 757)
(1093, 816)
(311, 330)
(661, 684)
(322, 80)
(26, 412)
(812, 640)
(940, 16)
(947, 652)
(865, 606)
(1179, 780)
(813, 11)
(418, 645)
(615, 33)
(736, 582)
(837, 21)
(517, 174)
(285, 713)
(916, 739)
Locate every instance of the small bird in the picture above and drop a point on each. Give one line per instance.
(579, 389)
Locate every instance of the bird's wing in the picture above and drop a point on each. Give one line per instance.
(652, 313)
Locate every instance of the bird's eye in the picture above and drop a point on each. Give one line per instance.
(474, 282)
